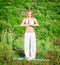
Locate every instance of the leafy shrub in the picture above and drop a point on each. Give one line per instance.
(6, 53)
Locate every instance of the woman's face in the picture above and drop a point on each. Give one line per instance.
(29, 14)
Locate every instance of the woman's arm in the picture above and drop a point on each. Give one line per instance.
(22, 24)
(36, 23)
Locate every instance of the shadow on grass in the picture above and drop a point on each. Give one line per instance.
(20, 52)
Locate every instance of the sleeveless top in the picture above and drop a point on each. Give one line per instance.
(29, 22)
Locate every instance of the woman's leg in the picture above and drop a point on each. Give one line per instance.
(33, 46)
(26, 45)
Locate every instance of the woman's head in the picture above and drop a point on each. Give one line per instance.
(29, 13)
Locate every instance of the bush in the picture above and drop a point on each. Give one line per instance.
(6, 53)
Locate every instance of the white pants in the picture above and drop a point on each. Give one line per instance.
(30, 45)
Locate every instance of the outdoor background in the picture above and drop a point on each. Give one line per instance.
(47, 13)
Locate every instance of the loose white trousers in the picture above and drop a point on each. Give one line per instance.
(30, 45)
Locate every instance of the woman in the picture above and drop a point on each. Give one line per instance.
(29, 37)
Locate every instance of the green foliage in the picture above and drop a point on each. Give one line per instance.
(47, 13)
(7, 36)
(6, 53)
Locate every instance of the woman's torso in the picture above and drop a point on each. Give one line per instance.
(29, 29)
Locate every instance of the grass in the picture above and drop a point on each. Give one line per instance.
(45, 49)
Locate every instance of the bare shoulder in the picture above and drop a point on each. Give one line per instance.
(24, 19)
(35, 19)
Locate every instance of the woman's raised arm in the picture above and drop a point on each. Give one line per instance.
(23, 22)
(36, 23)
